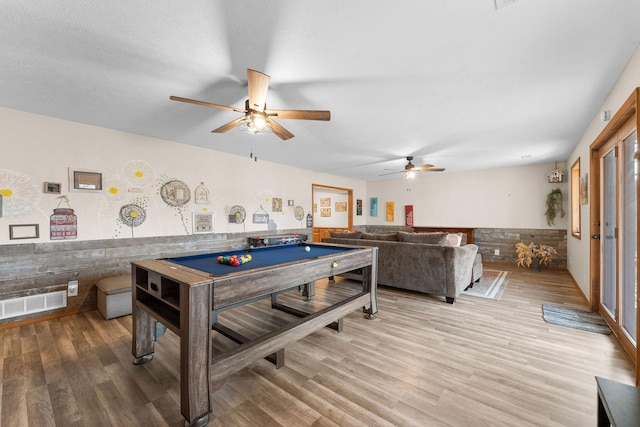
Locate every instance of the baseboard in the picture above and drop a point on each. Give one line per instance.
(513, 264)
(584, 297)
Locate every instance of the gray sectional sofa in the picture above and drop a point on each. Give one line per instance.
(423, 262)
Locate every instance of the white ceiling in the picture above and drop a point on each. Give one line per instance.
(456, 83)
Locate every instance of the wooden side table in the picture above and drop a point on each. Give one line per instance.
(618, 404)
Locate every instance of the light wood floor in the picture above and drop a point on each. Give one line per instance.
(421, 362)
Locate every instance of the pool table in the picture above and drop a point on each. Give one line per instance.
(187, 293)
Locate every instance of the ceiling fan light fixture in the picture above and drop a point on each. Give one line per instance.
(255, 123)
(258, 120)
(411, 174)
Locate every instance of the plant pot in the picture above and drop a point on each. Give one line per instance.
(535, 264)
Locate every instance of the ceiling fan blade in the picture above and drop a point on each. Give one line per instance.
(258, 85)
(433, 170)
(227, 127)
(206, 104)
(300, 114)
(391, 173)
(422, 168)
(280, 131)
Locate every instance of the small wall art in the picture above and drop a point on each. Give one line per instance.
(24, 231)
(584, 189)
(325, 212)
(408, 215)
(201, 194)
(63, 223)
(202, 223)
(373, 208)
(83, 180)
(237, 214)
(52, 187)
(260, 216)
(276, 204)
(359, 207)
(341, 206)
(391, 207)
(325, 202)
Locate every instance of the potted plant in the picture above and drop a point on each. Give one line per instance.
(537, 255)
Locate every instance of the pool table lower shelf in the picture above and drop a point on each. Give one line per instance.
(189, 301)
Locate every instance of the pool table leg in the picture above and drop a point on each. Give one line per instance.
(370, 284)
(309, 290)
(143, 336)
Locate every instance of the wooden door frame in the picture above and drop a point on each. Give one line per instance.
(349, 192)
(622, 116)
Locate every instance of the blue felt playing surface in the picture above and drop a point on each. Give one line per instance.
(261, 257)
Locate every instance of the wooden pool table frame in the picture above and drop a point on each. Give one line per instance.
(187, 301)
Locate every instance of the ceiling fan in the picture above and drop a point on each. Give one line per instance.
(257, 118)
(410, 169)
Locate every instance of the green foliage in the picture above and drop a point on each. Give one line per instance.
(554, 205)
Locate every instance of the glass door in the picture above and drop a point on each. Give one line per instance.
(629, 204)
(618, 238)
(614, 226)
(608, 227)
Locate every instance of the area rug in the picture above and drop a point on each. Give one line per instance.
(574, 318)
(491, 285)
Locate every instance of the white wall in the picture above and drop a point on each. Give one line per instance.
(496, 198)
(578, 250)
(38, 149)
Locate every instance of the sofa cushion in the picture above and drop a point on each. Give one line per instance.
(433, 238)
(345, 234)
(454, 239)
(390, 237)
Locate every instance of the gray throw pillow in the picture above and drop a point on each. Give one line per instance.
(434, 238)
(390, 237)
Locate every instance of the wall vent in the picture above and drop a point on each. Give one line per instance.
(32, 304)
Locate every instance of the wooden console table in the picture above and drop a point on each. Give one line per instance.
(618, 404)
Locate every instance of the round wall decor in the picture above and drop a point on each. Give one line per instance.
(175, 193)
(237, 214)
(132, 215)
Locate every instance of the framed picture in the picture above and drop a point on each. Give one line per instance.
(82, 180)
(341, 206)
(408, 215)
(325, 212)
(201, 194)
(52, 187)
(276, 204)
(584, 189)
(24, 231)
(202, 223)
(359, 207)
(391, 208)
(325, 202)
(373, 208)
(576, 200)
